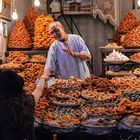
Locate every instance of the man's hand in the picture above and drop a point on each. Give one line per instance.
(69, 51)
(46, 74)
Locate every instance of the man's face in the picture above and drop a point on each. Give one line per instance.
(59, 33)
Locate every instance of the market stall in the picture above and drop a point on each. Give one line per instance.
(96, 108)
(101, 111)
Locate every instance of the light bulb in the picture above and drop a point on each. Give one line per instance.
(0, 6)
(138, 3)
(36, 2)
(1, 27)
(14, 15)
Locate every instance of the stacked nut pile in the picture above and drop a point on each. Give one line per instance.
(29, 20)
(38, 59)
(136, 71)
(12, 65)
(128, 23)
(99, 84)
(43, 39)
(19, 37)
(132, 39)
(32, 71)
(17, 57)
(135, 56)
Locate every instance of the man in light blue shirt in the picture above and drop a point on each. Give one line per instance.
(67, 55)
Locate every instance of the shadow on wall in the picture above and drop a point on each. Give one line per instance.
(95, 33)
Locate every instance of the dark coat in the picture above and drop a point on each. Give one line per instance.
(10, 126)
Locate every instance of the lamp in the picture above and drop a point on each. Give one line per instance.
(138, 3)
(36, 2)
(14, 13)
(1, 7)
(1, 27)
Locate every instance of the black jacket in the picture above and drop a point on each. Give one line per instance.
(9, 125)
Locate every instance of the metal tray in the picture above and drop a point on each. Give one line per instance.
(61, 130)
(116, 62)
(135, 61)
(41, 62)
(99, 130)
(131, 128)
(111, 48)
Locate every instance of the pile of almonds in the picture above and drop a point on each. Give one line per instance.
(19, 37)
(43, 39)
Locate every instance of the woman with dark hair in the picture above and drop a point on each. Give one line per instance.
(17, 108)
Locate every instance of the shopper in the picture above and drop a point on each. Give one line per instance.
(67, 55)
(17, 108)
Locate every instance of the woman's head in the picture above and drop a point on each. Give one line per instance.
(11, 84)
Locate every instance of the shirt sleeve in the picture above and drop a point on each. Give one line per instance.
(51, 59)
(82, 46)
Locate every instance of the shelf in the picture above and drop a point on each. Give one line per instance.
(105, 63)
(29, 51)
(120, 50)
(129, 64)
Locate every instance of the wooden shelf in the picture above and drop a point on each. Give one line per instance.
(29, 52)
(121, 50)
(105, 52)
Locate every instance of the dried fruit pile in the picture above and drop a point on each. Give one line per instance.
(19, 37)
(128, 23)
(43, 39)
(132, 39)
(29, 20)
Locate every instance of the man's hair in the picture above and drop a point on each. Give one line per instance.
(54, 25)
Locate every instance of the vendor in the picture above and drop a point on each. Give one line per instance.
(67, 55)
